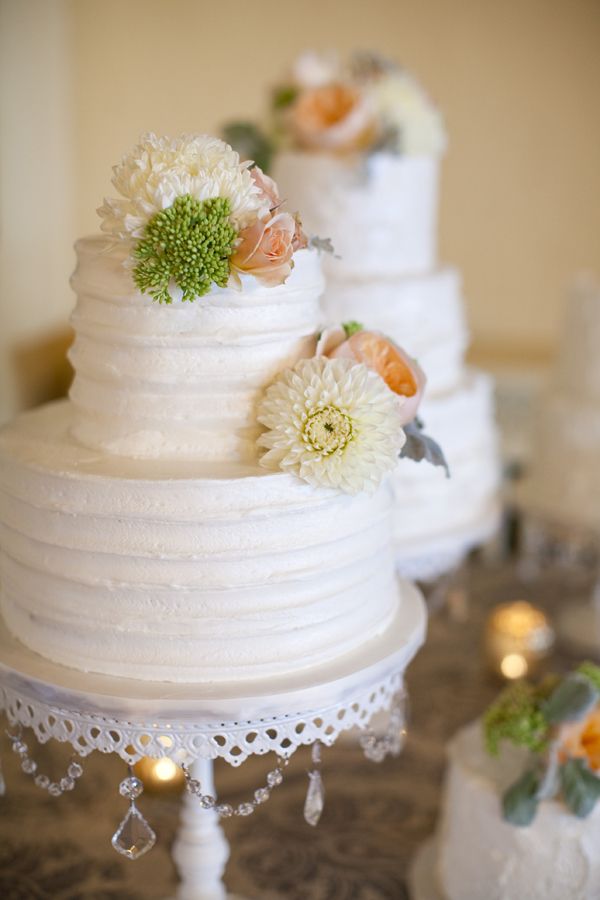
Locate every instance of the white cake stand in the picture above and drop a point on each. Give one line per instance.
(194, 725)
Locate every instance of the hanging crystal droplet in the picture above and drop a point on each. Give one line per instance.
(133, 837)
(315, 798)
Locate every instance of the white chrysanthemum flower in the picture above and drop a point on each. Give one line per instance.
(333, 422)
(402, 103)
(160, 169)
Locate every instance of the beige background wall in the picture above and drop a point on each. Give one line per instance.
(519, 82)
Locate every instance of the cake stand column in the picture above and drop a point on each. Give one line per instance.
(200, 851)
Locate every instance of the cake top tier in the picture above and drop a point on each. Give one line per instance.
(364, 104)
(193, 216)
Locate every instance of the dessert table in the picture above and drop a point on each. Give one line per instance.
(375, 817)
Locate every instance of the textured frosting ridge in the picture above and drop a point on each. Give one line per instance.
(481, 855)
(144, 569)
(181, 381)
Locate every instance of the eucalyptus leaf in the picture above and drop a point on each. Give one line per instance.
(419, 446)
(571, 700)
(581, 788)
(520, 802)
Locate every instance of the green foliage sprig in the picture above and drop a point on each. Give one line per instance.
(516, 717)
(189, 244)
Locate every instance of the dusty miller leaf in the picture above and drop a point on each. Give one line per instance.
(419, 446)
(571, 700)
(581, 788)
(520, 802)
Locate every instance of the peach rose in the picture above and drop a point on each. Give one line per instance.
(401, 373)
(582, 740)
(267, 187)
(333, 117)
(266, 248)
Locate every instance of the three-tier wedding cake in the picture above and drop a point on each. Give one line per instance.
(210, 503)
(358, 151)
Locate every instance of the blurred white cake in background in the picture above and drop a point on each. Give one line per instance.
(379, 206)
(563, 486)
(479, 855)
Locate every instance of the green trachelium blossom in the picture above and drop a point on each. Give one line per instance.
(516, 717)
(190, 244)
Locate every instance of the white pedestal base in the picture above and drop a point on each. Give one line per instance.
(201, 850)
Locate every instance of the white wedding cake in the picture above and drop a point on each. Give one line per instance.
(563, 485)
(482, 856)
(142, 533)
(360, 155)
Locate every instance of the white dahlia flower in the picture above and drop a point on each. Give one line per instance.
(160, 169)
(332, 422)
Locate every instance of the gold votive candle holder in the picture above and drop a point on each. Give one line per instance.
(518, 638)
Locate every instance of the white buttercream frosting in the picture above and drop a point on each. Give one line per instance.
(428, 504)
(181, 381)
(423, 313)
(482, 856)
(380, 211)
(183, 571)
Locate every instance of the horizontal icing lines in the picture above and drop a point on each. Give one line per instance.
(167, 326)
(148, 368)
(228, 570)
(342, 622)
(226, 538)
(292, 606)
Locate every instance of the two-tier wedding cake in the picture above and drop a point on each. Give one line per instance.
(210, 504)
(358, 150)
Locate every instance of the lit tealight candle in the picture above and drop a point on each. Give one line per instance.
(518, 637)
(160, 774)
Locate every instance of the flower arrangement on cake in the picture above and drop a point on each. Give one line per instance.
(343, 418)
(194, 219)
(558, 722)
(196, 216)
(364, 105)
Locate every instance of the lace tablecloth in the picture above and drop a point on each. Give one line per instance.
(375, 815)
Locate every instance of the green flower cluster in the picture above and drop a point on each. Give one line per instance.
(189, 244)
(516, 717)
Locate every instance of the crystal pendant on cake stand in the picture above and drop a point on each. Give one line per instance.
(195, 725)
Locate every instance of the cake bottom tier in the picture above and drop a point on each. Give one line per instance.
(183, 572)
(482, 856)
(437, 519)
(564, 481)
